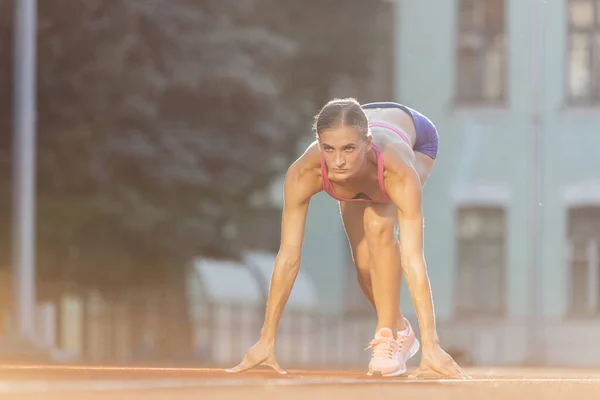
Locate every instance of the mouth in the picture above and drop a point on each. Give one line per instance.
(340, 171)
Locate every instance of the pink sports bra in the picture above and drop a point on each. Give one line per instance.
(328, 186)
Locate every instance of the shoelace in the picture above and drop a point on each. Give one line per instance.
(382, 347)
(401, 340)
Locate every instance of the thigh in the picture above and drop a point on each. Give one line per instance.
(352, 218)
(424, 165)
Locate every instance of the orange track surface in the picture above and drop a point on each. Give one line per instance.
(64, 383)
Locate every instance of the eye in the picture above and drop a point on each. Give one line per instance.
(349, 149)
(327, 148)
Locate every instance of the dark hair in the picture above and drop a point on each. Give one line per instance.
(342, 112)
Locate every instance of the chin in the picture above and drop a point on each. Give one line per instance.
(343, 176)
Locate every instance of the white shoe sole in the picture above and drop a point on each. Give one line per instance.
(402, 370)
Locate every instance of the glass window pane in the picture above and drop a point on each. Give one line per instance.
(579, 66)
(464, 13)
(481, 223)
(579, 287)
(466, 286)
(597, 63)
(494, 77)
(494, 16)
(584, 226)
(579, 250)
(481, 59)
(481, 278)
(492, 254)
(471, 15)
(581, 13)
(481, 260)
(470, 225)
(491, 288)
(471, 41)
(584, 223)
(469, 76)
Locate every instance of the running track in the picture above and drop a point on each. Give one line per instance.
(65, 383)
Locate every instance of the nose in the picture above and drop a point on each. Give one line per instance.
(339, 161)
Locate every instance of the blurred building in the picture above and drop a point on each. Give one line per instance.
(490, 74)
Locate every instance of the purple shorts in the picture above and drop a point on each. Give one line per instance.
(427, 137)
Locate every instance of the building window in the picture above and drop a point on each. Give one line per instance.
(481, 52)
(480, 235)
(584, 244)
(584, 52)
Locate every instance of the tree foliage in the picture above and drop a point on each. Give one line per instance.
(157, 120)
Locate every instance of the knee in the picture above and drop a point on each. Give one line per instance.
(378, 230)
(362, 265)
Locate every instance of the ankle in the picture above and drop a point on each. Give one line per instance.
(401, 324)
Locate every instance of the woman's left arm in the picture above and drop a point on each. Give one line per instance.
(405, 190)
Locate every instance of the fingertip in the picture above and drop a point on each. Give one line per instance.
(277, 369)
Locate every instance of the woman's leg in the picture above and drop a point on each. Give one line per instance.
(379, 224)
(353, 220)
(367, 227)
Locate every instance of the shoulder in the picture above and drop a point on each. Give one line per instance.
(303, 177)
(397, 159)
(399, 168)
(308, 164)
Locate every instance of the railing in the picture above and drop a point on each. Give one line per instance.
(149, 330)
(305, 339)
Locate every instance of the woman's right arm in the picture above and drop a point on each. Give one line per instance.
(301, 183)
(298, 190)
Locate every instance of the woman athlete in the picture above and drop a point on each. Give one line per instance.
(374, 159)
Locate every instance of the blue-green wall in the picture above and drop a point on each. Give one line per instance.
(482, 146)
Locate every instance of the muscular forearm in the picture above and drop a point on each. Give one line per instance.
(283, 278)
(417, 280)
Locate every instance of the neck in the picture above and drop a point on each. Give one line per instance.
(369, 160)
(366, 169)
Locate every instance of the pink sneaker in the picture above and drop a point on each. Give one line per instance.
(385, 359)
(408, 346)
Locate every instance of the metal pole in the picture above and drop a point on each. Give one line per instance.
(397, 62)
(535, 326)
(24, 166)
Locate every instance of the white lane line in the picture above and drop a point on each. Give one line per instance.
(114, 385)
(104, 368)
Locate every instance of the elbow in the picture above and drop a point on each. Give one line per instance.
(288, 261)
(291, 264)
(289, 256)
